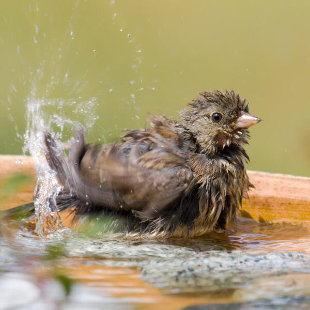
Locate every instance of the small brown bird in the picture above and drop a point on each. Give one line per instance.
(177, 178)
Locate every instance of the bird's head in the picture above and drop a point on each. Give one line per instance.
(218, 120)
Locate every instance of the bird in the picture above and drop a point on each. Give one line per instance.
(177, 178)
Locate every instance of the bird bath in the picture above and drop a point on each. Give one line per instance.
(262, 262)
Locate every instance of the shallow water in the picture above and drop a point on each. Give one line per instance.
(252, 266)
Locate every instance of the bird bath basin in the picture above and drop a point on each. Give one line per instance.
(261, 263)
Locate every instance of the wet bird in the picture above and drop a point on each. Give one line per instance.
(177, 178)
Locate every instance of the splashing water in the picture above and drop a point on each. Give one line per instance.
(38, 110)
(47, 218)
(47, 186)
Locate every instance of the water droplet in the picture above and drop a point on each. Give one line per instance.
(13, 87)
(66, 77)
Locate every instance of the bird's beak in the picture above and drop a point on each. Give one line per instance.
(246, 120)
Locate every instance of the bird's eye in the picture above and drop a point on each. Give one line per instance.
(216, 117)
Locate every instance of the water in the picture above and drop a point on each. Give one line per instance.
(254, 265)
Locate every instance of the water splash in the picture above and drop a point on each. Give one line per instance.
(47, 217)
(39, 121)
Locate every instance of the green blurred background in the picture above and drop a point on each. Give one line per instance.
(138, 57)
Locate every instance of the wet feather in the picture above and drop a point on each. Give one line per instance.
(177, 178)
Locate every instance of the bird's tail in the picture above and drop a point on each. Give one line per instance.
(66, 168)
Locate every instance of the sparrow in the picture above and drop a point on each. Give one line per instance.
(175, 179)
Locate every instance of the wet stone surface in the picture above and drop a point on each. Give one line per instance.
(219, 271)
(182, 269)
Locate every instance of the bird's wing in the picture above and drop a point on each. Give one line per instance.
(145, 174)
(147, 183)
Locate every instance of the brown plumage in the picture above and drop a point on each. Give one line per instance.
(176, 178)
